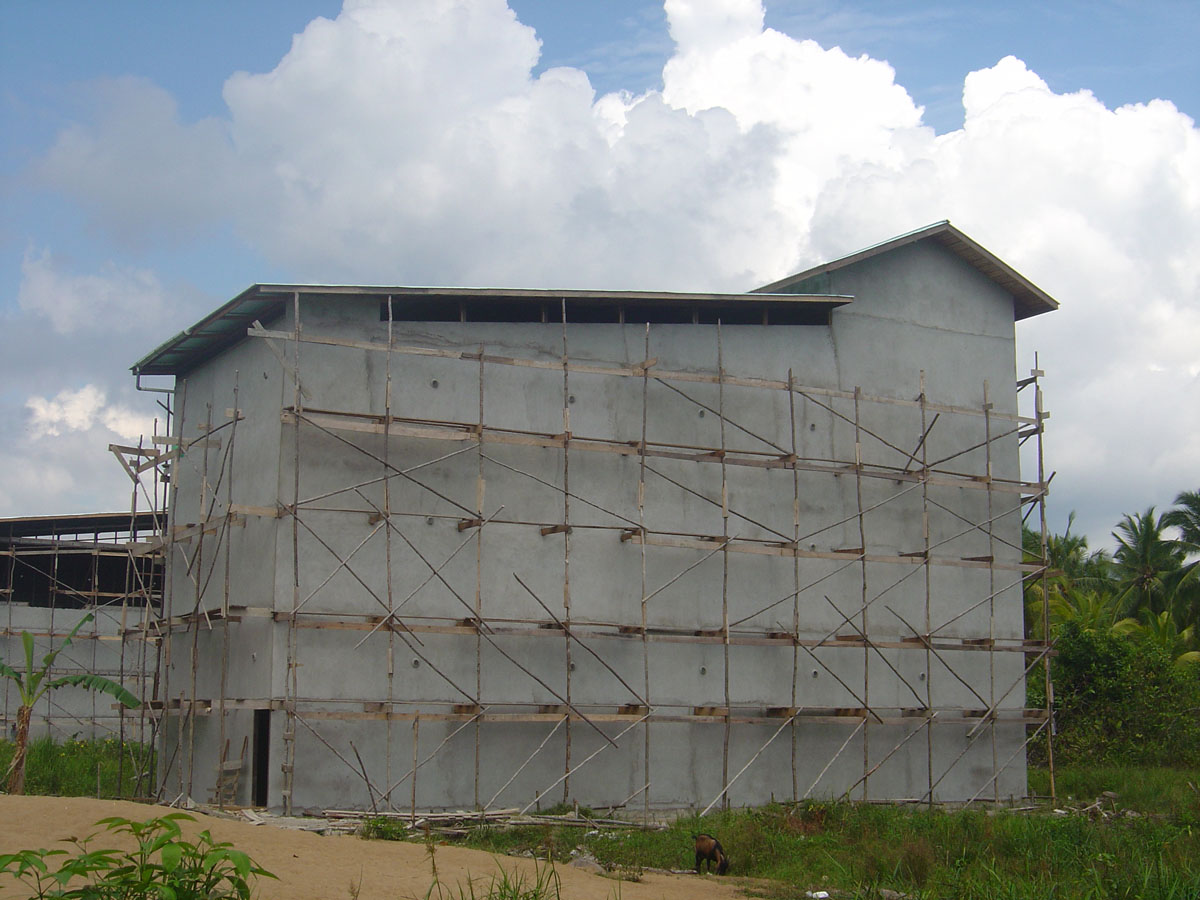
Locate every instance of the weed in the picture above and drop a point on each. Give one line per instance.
(85, 768)
(163, 865)
(382, 828)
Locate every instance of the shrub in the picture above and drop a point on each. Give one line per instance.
(1119, 701)
(163, 865)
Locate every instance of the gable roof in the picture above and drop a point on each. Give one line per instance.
(1028, 298)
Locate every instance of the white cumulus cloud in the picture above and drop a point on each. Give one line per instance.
(410, 142)
(83, 410)
(113, 300)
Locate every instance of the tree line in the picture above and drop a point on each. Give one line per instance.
(1125, 628)
(1147, 589)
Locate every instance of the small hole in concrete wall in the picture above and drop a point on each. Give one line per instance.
(812, 546)
(572, 667)
(265, 376)
(416, 664)
(921, 676)
(429, 520)
(702, 414)
(814, 673)
(703, 670)
(812, 427)
(571, 398)
(433, 384)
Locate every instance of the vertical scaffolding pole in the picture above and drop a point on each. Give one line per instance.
(291, 686)
(225, 599)
(387, 552)
(862, 549)
(724, 558)
(795, 577)
(1039, 413)
(641, 504)
(566, 530)
(925, 564)
(480, 488)
(197, 564)
(991, 536)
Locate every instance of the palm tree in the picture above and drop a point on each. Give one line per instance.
(1186, 517)
(32, 686)
(1162, 631)
(1079, 583)
(1090, 610)
(1147, 564)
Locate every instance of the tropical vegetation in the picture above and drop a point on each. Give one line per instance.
(1125, 628)
(1147, 589)
(33, 683)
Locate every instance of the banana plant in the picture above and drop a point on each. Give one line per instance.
(33, 684)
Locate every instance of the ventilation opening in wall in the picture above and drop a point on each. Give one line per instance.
(797, 315)
(421, 309)
(262, 751)
(732, 315)
(583, 312)
(665, 314)
(502, 309)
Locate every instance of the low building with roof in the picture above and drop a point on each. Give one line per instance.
(494, 548)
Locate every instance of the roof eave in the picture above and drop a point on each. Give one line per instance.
(176, 357)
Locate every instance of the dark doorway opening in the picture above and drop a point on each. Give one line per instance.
(262, 750)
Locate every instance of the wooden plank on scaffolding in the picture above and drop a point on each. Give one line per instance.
(627, 371)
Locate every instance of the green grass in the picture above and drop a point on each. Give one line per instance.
(69, 769)
(931, 854)
(1171, 792)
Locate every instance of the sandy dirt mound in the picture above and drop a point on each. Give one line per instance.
(312, 867)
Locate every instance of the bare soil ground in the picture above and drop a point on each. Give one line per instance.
(313, 867)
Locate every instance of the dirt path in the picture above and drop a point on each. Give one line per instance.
(312, 867)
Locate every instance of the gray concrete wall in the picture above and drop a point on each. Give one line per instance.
(917, 309)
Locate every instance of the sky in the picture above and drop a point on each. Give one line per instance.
(156, 159)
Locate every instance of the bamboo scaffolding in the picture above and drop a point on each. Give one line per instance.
(635, 371)
(877, 456)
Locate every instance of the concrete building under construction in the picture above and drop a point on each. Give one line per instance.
(470, 548)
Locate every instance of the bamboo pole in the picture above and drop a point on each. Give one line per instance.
(221, 734)
(521, 768)
(292, 689)
(611, 742)
(862, 538)
(198, 559)
(795, 581)
(725, 789)
(923, 449)
(1039, 412)
(569, 665)
(625, 371)
(846, 743)
(724, 561)
(387, 545)
(987, 433)
(641, 505)
(480, 488)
